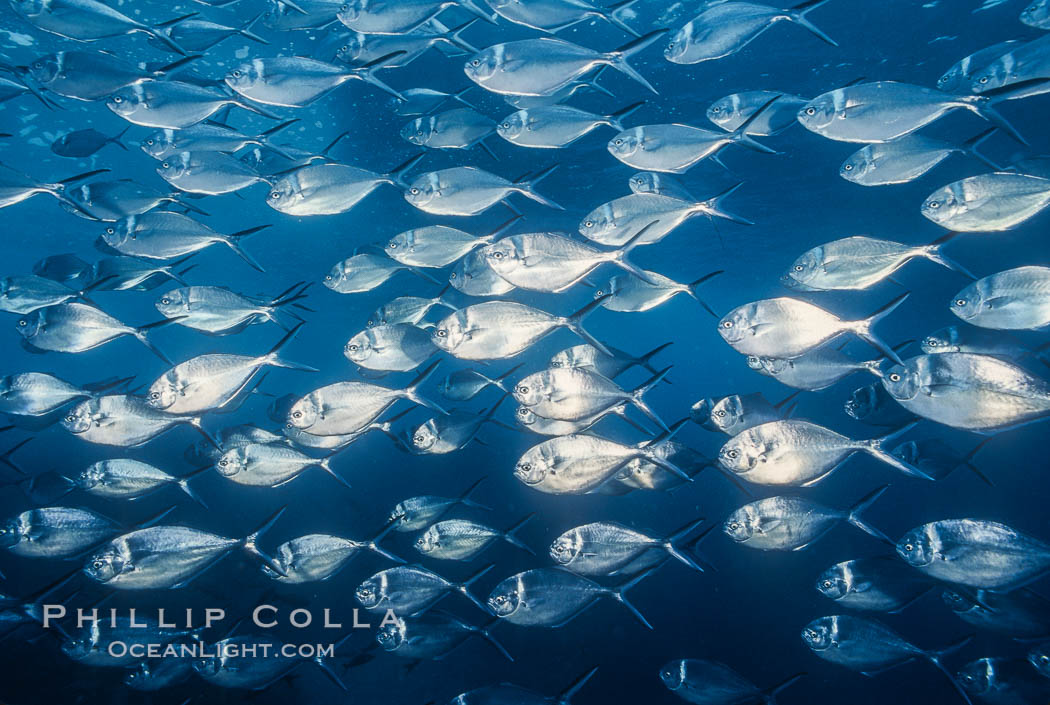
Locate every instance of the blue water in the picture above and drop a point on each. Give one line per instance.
(747, 614)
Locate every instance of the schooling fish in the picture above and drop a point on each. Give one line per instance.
(610, 365)
(467, 190)
(1016, 299)
(877, 584)
(464, 385)
(317, 557)
(959, 76)
(430, 636)
(114, 200)
(89, 20)
(92, 75)
(607, 548)
(328, 189)
(1021, 614)
(459, 128)
(439, 245)
(463, 540)
(74, 327)
(165, 235)
(573, 394)
(410, 590)
(399, 16)
(1026, 62)
(408, 309)
(555, 15)
(125, 478)
(714, 683)
(365, 272)
(420, 512)
(296, 81)
(732, 111)
(208, 173)
(390, 347)
(452, 432)
(38, 393)
(738, 412)
(988, 202)
(123, 420)
(207, 137)
(557, 126)
(1003, 681)
(84, 143)
(359, 48)
(906, 159)
(215, 310)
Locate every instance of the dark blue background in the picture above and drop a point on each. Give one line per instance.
(750, 612)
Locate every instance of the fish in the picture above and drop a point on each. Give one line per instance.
(875, 584)
(210, 382)
(908, 158)
(987, 202)
(557, 126)
(173, 104)
(431, 636)
(115, 200)
(464, 540)
(630, 294)
(124, 420)
(496, 330)
(467, 190)
(27, 293)
(1037, 15)
(554, 262)
(39, 393)
(1039, 659)
(860, 262)
(439, 245)
(459, 128)
(328, 189)
(573, 394)
(713, 683)
(423, 101)
(301, 14)
(968, 391)
(464, 385)
(92, 75)
(346, 407)
(74, 327)
(215, 310)
(208, 173)
(88, 20)
(131, 274)
(317, 557)
(733, 110)
(610, 365)
(297, 81)
(511, 693)
(882, 111)
(1028, 61)
(1021, 614)
(164, 235)
(555, 15)
(1002, 680)
(870, 647)
(421, 511)
(65, 268)
(578, 464)
(724, 29)
(659, 184)
(205, 453)
(606, 548)
(270, 465)
(614, 223)
(873, 405)
(84, 143)
(169, 557)
(799, 453)
(959, 76)
(788, 328)
(55, 532)
(152, 676)
(390, 347)
(199, 35)
(365, 272)
(817, 369)
(408, 309)
(553, 597)
(976, 553)
(16, 187)
(544, 66)
(359, 48)
(535, 423)
(399, 16)
(411, 590)
(207, 137)
(938, 459)
(675, 148)
(738, 412)
(99, 642)
(1015, 299)
(452, 432)
(126, 478)
(562, 95)
(787, 523)
(976, 340)
(473, 276)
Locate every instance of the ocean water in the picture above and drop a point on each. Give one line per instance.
(749, 612)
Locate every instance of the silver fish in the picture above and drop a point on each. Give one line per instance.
(725, 29)
(878, 584)
(168, 557)
(301, 14)
(553, 597)
(799, 453)
(788, 523)
(788, 328)
(55, 532)
(555, 15)
(737, 412)
(38, 393)
(464, 385)
(975, 552)
(959, 76)
(75, 327)
(1002, 680)
(359, 48)
(815, 370)
(393, 347)
(438, 245)
(420, 512)
(164, 144)
(628, 293)
(1016, 299)
(988, 202)
(399, 16)
(714, 683)
(675, 148)
(365, 272)
(500, 329)
(573, 394)
(124, 478)
(27, 293)
(408, 309)
(459, 128)
(1029, 61)
(423, 101)
(906, 159)
(114, 200)
(473, 276)
(295, 81)
(1021, 614)
(860, 262)
(557, 126)
(317, 557)
(328, 189)
(544, 66)
(91, 75)
(86, 20)
(467, 190)
(463, 540)
(607, 548)
(660, 184)
(410, 590)
(165, 235)
(732, 111)
(216, 310)
(208, 173)
(1037, 15)
(16, 187)
(449, 433)
(123, 420)
(430, 636)
(270, 465)
(611, 364)
(84, 143)
(968, 391)
(199, 35)
(172, 104)
(976, 340)
(873, 405)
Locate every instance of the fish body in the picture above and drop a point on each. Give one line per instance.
(55, 532)
(987, 202)
(877, 584)
(1016, 299)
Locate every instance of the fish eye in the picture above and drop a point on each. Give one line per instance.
(452, 276)
(328, 277)
(727, 324)
(418, 438)
(475, 62)
(351, 348)
(497, 255)
(154, 395)
(165, 301)
(414, 191)
(799, 267)
(599, 293)
(223, 463)
(811, 111)
(960, 302)
(110, 231)
(827, 583)
(117, 99)
(523, 389)
(275, 195)
(97, 565)
(733, 454)
(720, 413)
(297, 414)
(617, 141)
(848, 167)
(71, 418)
(236, 73)
(505, 126)
(716, 110)
(734, 525)
(526, 466)
(588, 224)
(909, 547)
(894, 377)
(1044, 659)
(983, 79)
(23, 322)
(934, 204)
(149, 142)
(392, 245)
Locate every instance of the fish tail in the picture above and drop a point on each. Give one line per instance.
(566, 696)
(618, 58)
(116, 139)
(412, 391)
(196, 423)
(249, 543)
(140, 334)
(647, 450)
(619, 256)
(934, 252)
(486, 634)
(675, 550)
(593, 84)
(982, 107)
(616, 119)
(510, 537)
(176, 197)
(453, 36)
(619, 594)
(609, 15)
(528, 188)
(465, 499)
(158, 33)
(184, 484)
(646, 359)
(769, 696)
(175, 65)
(463, 588)
(575, 324)
(937, 659)
(863, 328)
(471, 7)
(638, 392)
(854, 516)
(458, 97)
(713, 206)
(273, 358)
(326, 465)
(971, 147)
(498, 382)
(6, 457)
(876, 448)
(692, 289)
(396, 175)
(275, 309)
(233, 242)
(250, 107)
(246, 30)
(798, 15)
(369, 77)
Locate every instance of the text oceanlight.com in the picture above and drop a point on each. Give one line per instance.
(228, 650)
